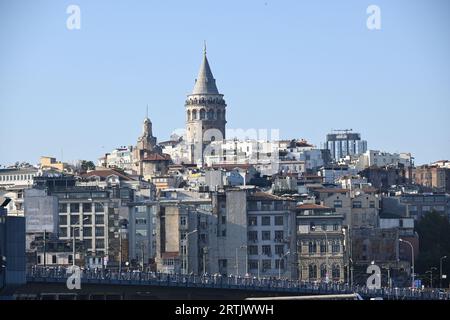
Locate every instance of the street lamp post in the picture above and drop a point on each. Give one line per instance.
(440, 270)
(412, 260)
(279, 263)
(187, 253)
(431, 276)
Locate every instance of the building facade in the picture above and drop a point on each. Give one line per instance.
(320, 243)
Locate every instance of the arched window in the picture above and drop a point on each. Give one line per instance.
(194, 115)
(312, 247)
(323, 271)
(312, 272)
(202, 114)
(323, 247)
(189, 115)
(210, 114)
(336, 271)
(219, 114)
(336, 248)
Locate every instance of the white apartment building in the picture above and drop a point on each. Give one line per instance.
(380, 159)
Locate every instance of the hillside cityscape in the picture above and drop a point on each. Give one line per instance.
(218, 203)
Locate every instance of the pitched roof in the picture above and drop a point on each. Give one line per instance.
(103, 174)
(205, 82)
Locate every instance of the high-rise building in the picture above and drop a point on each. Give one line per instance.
(205, 113)
(344, 143)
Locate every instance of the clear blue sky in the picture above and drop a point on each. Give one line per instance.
(304, 67)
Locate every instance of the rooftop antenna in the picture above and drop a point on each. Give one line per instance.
(204, 47)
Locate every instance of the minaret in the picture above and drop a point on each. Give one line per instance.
(205, 112)
(147, 141)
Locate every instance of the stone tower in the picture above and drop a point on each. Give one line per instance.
(146, 141)
(205, 113)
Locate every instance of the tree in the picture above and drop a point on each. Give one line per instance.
(434, 237)
(87, 165)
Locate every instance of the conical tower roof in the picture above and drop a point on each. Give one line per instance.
(205, 82)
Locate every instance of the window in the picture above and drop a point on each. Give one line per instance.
(323, 271)
(265, 221)
(140, 221)
(252, 221)
(87, 207)
(265, 235)
(74, 219)
(183, 221)
(99, 207)
(279, 249)
(336, 272)
(266, 250)
(312, 247)
(279, 236)
(62, 220)
(278, 262)
(336, 247)
(253, 250)
(253, 264)
(338, 203)
(279, 221)
(266, 205)
(324, 227)
(99, 231)
(252, 236)
(100, 244)
(63, 232)
(99, 219)
(323, 247)
(372, 204)
(87, 232)
(74, 207)
(87, 219)
(312, 271)
(335, 227)
(267, 264)
(54, 260)
(87, 244)
(70, 258)
(357, 204)
(224, 219)
(63, 207)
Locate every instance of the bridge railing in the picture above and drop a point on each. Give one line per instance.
(231, 282)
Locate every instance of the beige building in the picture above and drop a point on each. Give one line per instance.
(433, 177)
(359, 207)
(52, 163)
(320, 243)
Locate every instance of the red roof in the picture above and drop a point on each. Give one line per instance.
(169, 255)
(312, 206)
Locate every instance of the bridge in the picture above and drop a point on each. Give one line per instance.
(48, 284)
